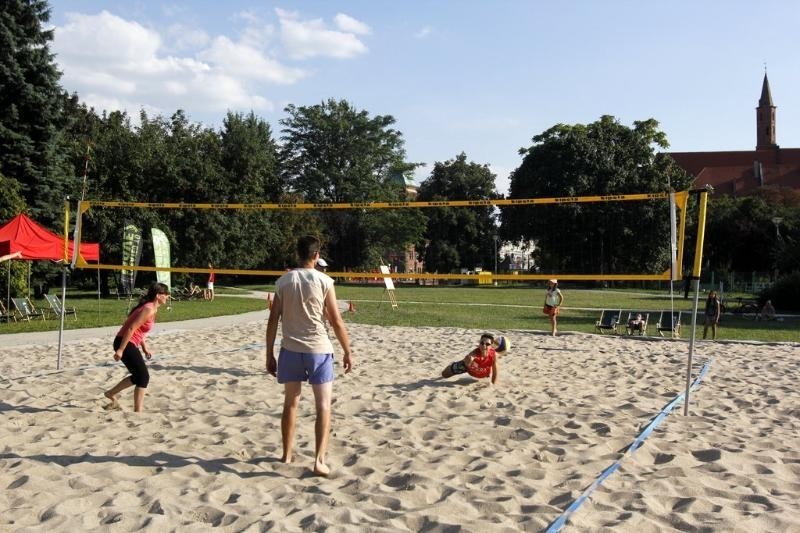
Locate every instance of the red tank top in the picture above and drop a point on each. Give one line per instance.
(481, 365)
(139, 334)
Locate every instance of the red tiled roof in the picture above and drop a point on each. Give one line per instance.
(735, 172)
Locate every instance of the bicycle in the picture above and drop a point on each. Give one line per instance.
(746, 308)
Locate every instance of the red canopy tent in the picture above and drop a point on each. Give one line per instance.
(21, 234)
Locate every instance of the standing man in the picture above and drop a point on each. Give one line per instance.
(304, 297)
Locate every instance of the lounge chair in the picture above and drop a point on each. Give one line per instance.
(5, 314)
(609, 320)
(632, 328)
(26, 309)
(55, 306)
(669, 321)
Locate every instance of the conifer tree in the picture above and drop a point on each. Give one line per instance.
(30, 97)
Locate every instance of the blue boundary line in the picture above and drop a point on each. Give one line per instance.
(635, 445)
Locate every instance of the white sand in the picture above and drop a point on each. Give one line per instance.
(409, 453)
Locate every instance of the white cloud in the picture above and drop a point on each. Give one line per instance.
(348, 24)
(105, 36)
(250, 17)
(185, 38)
(244, 61)
(304, 39)
(118, 64)
(424, 32)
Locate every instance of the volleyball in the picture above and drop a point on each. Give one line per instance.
(503, 344)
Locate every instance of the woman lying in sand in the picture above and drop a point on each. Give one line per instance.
(479, 363)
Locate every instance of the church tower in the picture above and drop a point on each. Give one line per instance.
(765, 119)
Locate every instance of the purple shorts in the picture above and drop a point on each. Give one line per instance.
(316, 368)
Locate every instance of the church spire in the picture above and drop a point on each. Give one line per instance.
(766, 94)
(765, 118)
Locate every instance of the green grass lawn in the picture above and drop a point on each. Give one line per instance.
(92, 312)
(475, 307)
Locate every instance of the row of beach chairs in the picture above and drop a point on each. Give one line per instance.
(25, 310)
(636, 322)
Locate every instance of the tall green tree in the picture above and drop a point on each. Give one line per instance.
(249, 158)
(601, 158)
(332, 152)
(30, 99)
(755, 233)
(459, 237)
(11, 201)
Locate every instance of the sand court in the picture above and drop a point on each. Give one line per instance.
(408, 451)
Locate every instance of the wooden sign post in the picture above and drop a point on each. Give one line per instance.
(389, 290)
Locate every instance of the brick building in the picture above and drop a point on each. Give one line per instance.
(740, 173)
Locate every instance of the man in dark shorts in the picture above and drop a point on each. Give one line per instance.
(479, 363)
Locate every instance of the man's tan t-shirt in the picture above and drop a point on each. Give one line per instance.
(302, 292)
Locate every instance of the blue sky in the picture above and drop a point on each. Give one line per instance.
(478, 77)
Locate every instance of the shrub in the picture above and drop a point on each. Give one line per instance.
(784, 293)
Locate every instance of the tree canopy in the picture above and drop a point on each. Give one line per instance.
(332, 152)
(30, 114)
(459, 237)
(601, 158)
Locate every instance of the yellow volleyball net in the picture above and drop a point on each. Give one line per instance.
(665, 234)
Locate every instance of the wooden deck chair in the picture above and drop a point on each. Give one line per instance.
(633, 327)
(609, 320)
(5, 314)
(669, 321)
(26, 309)
(55, 306)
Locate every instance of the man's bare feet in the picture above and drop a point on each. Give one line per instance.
(321, 469)
(287, 458)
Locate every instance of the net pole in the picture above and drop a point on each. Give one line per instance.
(63, 284)
(673, 255)
(698, 261)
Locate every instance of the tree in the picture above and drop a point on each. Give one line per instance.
(29, 107)
(459, 236)
(334, 153)
(11, 201)
(249, 158)
(601, 158)
(755, 233)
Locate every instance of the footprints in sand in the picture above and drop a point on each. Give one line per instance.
(708, 455)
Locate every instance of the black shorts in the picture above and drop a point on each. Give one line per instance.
(458, 367)
(134, 361)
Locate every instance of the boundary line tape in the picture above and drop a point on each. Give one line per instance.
(559, 522)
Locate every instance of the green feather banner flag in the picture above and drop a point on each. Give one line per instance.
(131, 254)
(161, 252)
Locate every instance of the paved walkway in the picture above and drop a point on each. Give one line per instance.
(72, 335)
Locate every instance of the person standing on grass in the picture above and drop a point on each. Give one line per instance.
(552, 303)
(713, 311)
(209, 295)
(304, 298)
(129, 339)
